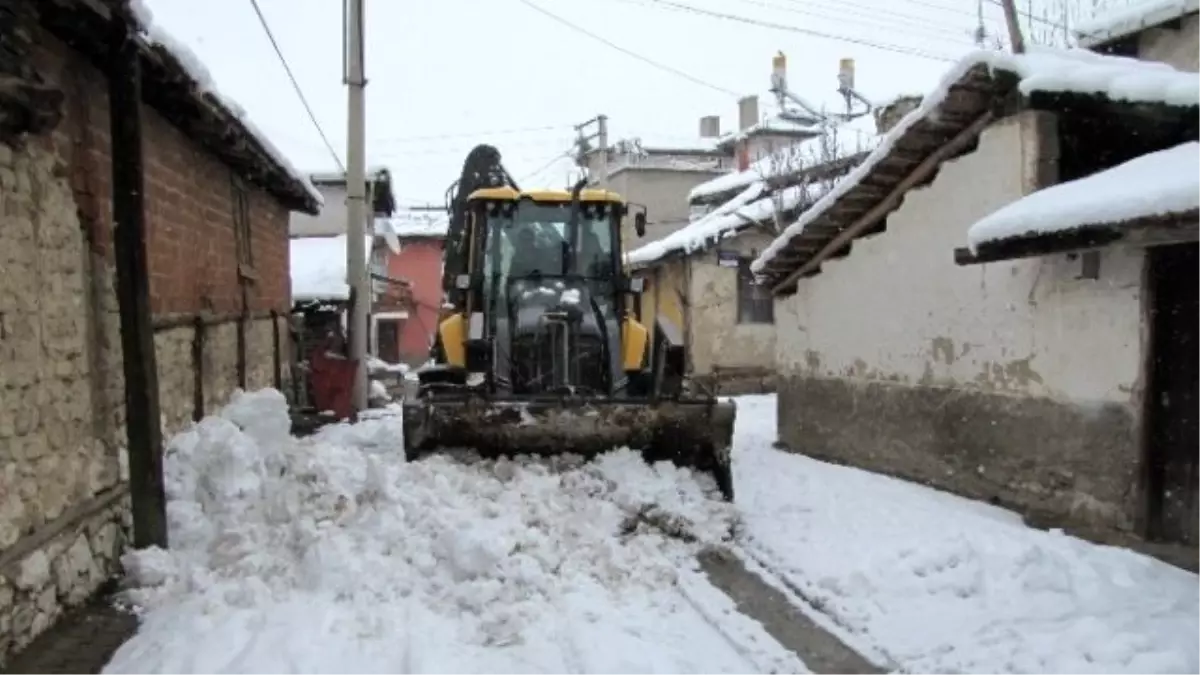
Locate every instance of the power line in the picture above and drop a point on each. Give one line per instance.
(547, 165)
(644, 59)
(469, 134)
(804, 31)
(874, 18)
(296, 85)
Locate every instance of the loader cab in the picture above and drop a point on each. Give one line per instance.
(531, 262)
(525, 238)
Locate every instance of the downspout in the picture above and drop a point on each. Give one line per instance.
(142, 413)
(686, 297)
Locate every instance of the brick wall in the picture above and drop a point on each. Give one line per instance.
(63, 469)
(189, 202)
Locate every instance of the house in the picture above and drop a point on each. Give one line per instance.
(407, 336)
(699, 291)
(659, 173)
(1166, 31)
(331, 221)
(656, 173)
(1020, 368)
(320, 294)
(215, 197)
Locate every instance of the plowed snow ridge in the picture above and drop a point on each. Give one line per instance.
(331, 554)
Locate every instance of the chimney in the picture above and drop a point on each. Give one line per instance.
(710, 127)
(747, 112)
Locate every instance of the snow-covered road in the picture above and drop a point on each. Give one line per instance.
(937, 583)
(330, 554)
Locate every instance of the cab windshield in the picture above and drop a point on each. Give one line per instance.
(531, 239)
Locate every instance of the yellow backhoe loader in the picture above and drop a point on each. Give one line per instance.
(538, 350)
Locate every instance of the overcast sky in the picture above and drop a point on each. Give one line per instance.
(445, 75)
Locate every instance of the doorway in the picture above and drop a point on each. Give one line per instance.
(388, 336)
(1171, 396)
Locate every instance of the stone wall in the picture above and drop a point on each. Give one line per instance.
(1016, 382)
(61, 497)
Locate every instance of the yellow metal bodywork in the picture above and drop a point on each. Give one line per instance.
(453, 331)
(506, 193)
(634, 340)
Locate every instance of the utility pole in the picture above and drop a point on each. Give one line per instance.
(602, 124)
(356, 198)
(1014, 26)
(601, 136)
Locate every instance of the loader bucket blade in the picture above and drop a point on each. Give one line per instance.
(694, 434)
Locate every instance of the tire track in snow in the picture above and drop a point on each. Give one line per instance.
(758, 561)
(692, 586)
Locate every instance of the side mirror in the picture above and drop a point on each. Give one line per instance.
(635, 285)
(639, 223)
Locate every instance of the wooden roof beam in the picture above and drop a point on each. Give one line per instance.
(927, 166)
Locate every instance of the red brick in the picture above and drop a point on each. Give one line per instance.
(189, 206)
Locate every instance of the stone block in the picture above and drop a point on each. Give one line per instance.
(33, 573)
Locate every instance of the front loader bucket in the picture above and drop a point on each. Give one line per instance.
(695, 434)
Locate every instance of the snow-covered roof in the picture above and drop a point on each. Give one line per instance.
(376, 172)
(771, 125)
(748, 208)
(206, 94)
(849, 139)
(318, 268)
(665, 144)
(1039, 70)
(1160, 184)
(411, 224)
(1112, 24)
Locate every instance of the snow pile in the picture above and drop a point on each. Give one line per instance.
(1158, 184)
(1115, 23)
(318, 268)
(377, 365)
(944, 584)
(205, 84)
(1043, 69)
(331, 554)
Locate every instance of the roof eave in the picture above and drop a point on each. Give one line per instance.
(173, 93)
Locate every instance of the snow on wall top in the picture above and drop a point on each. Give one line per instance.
(1158, 184)
(431, 224)
(1039, 70)
(374, 172)
(194, 67)
(318, 268)
(1116, 23)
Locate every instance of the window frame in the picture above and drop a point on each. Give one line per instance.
(755, 304)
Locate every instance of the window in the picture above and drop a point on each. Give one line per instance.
(241, 224)
(534, 237)
(754, 302)
(378, 266)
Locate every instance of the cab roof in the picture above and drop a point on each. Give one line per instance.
(506, 193)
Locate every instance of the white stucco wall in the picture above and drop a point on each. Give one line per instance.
(718, 340)
(1175, 47)
(329, 222)
(899, 309)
